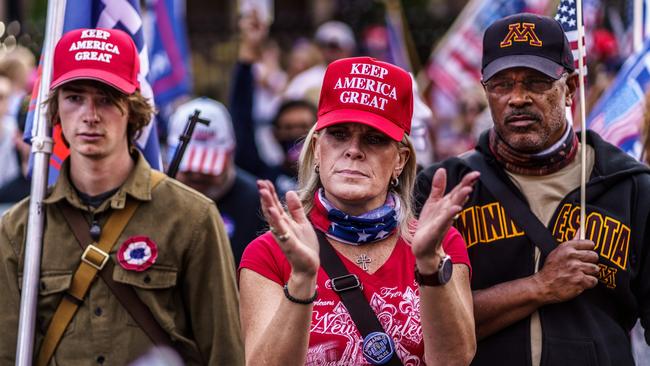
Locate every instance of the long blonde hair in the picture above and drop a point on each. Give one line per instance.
(309, 181)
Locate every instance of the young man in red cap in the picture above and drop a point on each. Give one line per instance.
(160, 248)
(541, 295)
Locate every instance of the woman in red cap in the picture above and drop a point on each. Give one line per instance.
(346, 275)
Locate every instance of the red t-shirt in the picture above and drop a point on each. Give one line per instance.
(391, 292)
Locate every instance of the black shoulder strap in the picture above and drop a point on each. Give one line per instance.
(516, 208)
(348, 287)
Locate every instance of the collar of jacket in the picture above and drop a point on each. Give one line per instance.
(137, 185)
(610, 163)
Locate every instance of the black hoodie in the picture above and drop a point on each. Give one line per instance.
(593, 328)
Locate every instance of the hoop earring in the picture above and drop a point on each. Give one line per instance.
(317, 169)
(394, 182)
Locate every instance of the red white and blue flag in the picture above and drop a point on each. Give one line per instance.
(455, 64)
(618, 115)
(119, 14)
(567, 15)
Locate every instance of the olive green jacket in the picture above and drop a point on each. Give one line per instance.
(190, 289)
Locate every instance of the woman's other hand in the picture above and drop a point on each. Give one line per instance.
(437, 216)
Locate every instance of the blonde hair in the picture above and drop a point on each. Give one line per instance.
(309, 182)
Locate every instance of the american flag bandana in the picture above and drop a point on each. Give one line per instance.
(372, 226)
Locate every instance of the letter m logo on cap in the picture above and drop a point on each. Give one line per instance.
(521, 32)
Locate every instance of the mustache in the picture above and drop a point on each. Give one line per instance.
(519, 114)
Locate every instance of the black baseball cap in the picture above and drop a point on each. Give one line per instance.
(526, 40)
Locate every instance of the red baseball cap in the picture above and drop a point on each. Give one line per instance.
(365, 90)
(106, 55)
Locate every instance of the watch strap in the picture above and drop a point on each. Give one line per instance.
(432, 279)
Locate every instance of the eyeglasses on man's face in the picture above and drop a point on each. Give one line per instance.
(534, 84)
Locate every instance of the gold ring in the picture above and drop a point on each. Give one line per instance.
(283, 237)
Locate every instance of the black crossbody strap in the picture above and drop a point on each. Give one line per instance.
(348, 287)
(516, 208)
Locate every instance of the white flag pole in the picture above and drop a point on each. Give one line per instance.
(583, 123)
(41, 148)
(637, 26)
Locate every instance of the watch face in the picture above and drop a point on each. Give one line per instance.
(446, 269)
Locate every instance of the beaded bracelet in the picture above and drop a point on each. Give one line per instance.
(299, 301)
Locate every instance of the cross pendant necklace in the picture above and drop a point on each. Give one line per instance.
(363, 261)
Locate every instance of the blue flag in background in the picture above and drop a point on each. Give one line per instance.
(618, 115)
(169, 73)
(119, 14)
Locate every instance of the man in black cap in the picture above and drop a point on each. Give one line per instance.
(541, 296)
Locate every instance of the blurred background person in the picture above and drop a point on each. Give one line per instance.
(9, 159)
(374, 42)
(461, 134)
(270, 81)
(267, 101)
(17, 73)
(303, 55)
(422, 133)
(335, 40)
(271, 152)
(209, 167)
(19, 65)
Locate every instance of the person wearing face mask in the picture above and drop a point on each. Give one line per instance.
(208, 166)
(541, 295)
(289, 126)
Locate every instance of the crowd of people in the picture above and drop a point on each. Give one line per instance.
(322, 217)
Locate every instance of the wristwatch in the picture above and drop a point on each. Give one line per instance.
(438, 278)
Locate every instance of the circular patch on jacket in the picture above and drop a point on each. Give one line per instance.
(137, 253)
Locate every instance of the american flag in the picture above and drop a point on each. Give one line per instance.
(120, 14)
(567, 15)
(618, 115)
(455, 64)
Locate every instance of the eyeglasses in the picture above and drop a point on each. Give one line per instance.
(537, 85)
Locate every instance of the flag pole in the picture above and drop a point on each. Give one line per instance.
(637, 26)
(583, 123)
(41, 148)
(395, 10)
